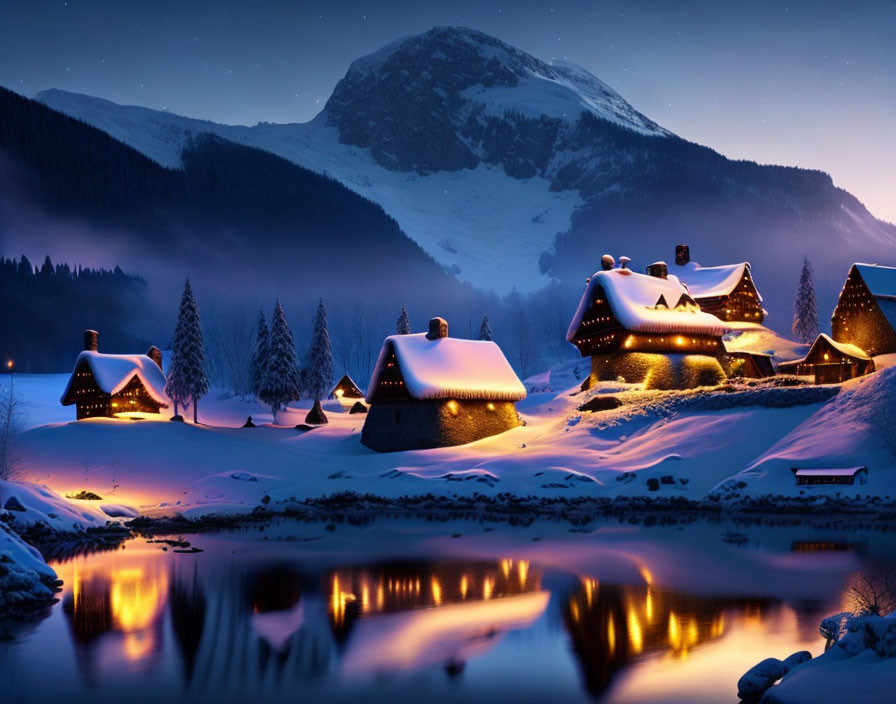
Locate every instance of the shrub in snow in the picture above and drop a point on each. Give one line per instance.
(869, 631)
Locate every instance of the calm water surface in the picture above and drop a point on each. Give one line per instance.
(416, 611)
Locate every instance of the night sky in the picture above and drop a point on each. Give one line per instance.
(811, 84)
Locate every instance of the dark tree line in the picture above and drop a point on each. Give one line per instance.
(46, 308)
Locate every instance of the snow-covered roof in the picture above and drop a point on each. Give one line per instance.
(833, 472)
(709, 281)
(842, 347)
(449, 367)
(113, 372)
(633, 298)
(880, 280)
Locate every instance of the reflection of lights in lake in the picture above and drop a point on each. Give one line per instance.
(635, 636)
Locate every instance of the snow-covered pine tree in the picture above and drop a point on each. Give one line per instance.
(403, 326)
(805, 307)
(188, 371)
(258, 361)
(320, 358)
(485, 330)
(281, 375)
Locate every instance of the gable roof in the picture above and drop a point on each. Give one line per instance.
(449, 367)
(346, 382)
(844, 348)
(112, 373)
(880, 280)
(633, 297)
(710, 281)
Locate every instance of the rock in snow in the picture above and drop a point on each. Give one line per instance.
(26, 582)
(760, 677)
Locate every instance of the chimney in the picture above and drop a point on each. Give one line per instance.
(155, 354)
(91, 340)
(660, 270)
(438, 328)
(607, 262)
(682, 254)
(624, 262)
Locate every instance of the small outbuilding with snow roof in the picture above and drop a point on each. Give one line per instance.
(647, 329)
(110, 384)
(830, 362)
(430, 390)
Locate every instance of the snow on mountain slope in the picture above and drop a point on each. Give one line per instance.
(460, 218)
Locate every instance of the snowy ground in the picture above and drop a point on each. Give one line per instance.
(687, 443)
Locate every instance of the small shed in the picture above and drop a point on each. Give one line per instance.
(830, 362)
(834, 475)
(430, 390)
(750, 365)
(109, 384)
(346, 388)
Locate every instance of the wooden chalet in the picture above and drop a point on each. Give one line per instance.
(830, 362)
(865, 315)
(429, 390)
(647, 328)
(109, 384)
(726, 291)
(347, 389)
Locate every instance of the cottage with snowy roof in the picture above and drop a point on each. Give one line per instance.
(109, 384)
(830, 362)
(346, 390)
(726, 291)
(865, 315)
(647, 329)
(430, 390)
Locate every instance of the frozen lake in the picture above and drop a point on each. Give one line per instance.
(401, 610)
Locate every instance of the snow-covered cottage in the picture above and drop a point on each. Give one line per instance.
(830, 362)
(108, 384)
(430, 390)
(865, 314)
(726, 291)
(647, 328)
(346, 389)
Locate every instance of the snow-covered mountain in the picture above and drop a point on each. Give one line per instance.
(435, 146)
(510, 171)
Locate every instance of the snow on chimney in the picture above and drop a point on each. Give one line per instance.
(91, 340)
(660, 270)
(438, 328)
(607, 262)
(624, 262)
(682, 254)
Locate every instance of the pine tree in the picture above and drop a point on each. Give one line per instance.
(320, 357)
(485, 330)
(281, 375)
(188, 371)
(403, 326)
(259, 359)
(805, 307)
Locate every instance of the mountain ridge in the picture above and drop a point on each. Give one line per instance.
(472, 146)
